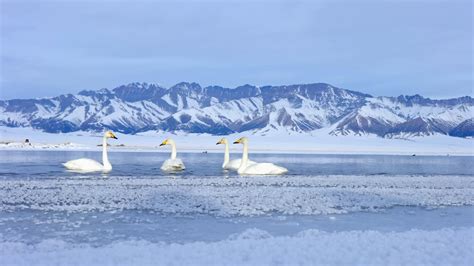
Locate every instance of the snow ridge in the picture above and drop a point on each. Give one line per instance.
(187, 107)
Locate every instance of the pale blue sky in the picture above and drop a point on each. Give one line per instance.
(378, 47)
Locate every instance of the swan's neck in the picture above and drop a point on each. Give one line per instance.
(105, 158)
(245, 157)
(173, 150)
(226, 154)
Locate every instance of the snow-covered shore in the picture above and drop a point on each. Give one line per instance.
(318, 143)
(257, 247)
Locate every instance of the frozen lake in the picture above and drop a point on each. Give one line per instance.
(330, 209)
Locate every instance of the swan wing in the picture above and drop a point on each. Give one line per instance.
(84, 164)
(173, 165)
(235, 164)
(264, 169)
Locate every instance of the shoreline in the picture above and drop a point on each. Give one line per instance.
(310, 143)
(145, 149)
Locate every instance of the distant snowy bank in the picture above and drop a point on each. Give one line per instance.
(316, 142)
(449, 246)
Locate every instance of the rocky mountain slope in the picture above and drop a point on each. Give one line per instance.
(190, 108)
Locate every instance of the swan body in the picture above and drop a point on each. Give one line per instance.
(256, 168)
(233, 164)
(263, 169)
(89, 165)
(230, 164)
(173, 163)
(85, 165)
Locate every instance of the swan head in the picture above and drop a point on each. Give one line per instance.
(242, 140)
(167, 142)
(222, 141)
(110, 135)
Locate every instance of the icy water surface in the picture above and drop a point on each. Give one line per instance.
(47, 164)
(325, 205)
(101, 228)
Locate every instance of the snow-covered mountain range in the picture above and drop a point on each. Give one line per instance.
(190, 108)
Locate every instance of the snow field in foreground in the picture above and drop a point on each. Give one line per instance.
(245, 196)
(256, 247)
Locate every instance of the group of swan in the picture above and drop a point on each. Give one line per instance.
(230, 164)
(248, 167)
(243, 166)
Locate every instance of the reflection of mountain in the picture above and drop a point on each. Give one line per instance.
(190, 108)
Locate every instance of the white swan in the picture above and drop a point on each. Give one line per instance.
(173, 163)
(88, 165)
(230, 164)
(256, 168)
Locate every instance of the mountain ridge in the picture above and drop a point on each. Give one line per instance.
(188, 107)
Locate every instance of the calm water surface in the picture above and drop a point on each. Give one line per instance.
(47, 164)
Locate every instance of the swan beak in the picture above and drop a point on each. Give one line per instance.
(114, 137)
(237, 141)
(164, 143)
